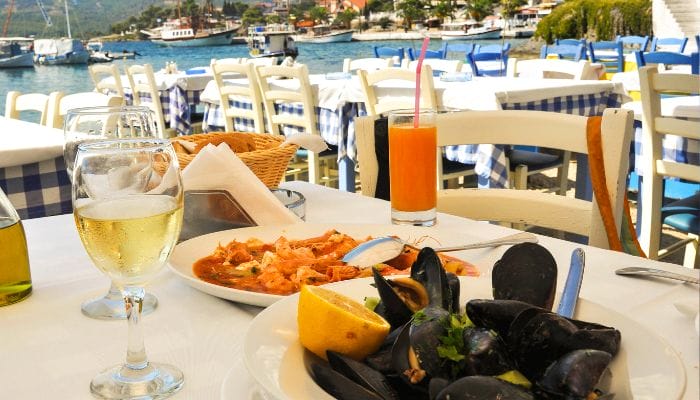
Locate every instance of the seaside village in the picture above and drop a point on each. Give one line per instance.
(350, 199)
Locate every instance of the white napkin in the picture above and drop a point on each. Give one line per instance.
(217, 167)
(307, 141)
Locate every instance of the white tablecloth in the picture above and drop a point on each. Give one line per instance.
(678, 107)
(24, 142)
(192, 82)
(50, 350)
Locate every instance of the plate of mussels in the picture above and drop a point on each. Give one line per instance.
(509, 327)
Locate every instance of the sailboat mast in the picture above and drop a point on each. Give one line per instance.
(65, 3)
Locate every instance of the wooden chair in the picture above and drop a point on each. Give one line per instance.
(669, 44)
(370, 64)
(547, 68)
(667, 58)
(483, 58)
(395, 54)
(633, 43)
(684, 214)
(17, 102)
(251, 93)
(307, 120)
(375, 104)
(107, 79)
(231, 60)
(59, 104)
(573, 52)
(609, 54)
(573, 42)
(438, 65)
(147, 84)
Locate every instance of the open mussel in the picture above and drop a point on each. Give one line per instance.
(526, 272)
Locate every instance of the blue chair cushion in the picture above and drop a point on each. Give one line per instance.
(533, 160)
(683, 214)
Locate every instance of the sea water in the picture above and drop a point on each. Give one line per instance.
(320, 58)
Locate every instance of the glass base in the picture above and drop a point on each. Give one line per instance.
(111, 306)
(415, 218)
(155, 381)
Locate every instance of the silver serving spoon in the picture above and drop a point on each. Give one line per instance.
(385, 248)
(657, 273)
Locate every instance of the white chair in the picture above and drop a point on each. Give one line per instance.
(304, 96)
(17, 102)
(107, 79)
(682, 215)
(547, 68)
(437, 65)
(250, 93)
(59, 104)
(146, 83)
(528, 206)
(260, 61)
(231, 60)
(377, 103)
(369, 64)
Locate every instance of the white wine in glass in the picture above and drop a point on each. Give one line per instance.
(128, 207)
(91, 124)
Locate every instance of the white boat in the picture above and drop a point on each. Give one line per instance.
(188, 37)
(324, 34)
(275, 40)
(60, 52)
(469, 30)
(13, 56)
(97, 55)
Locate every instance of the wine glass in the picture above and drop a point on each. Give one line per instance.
(128, 207)
(90, 124)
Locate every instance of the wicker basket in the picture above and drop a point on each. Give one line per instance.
(268, 162)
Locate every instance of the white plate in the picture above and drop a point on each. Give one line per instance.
(276, 360)
(189, 251)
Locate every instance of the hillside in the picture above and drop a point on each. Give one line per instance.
(88, 17)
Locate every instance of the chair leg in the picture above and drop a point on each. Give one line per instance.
(314, 168)
(691, 258)
(563, 173)
(520, 177)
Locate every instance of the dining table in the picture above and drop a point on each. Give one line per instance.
(32, 171)
(50, 350)
(340, 99)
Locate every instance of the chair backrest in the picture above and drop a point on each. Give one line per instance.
(490, 60)
(462, 48)
(668, 44)
(438, 65)
(413, 55)
(574, 42)
(17, 102)
(231, 60)
(106, 79)
(608, 53)
(524, 206)
(272, 98)
(655, 127)
(633, 43)
(249, 93)
(376, 104)
(59, 104)
(397, 54)
(264, 61)
(668, 58)
(573, 52)
(369, 64)
(143, 82)
(547, 68)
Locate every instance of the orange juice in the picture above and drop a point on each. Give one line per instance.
(412, 167)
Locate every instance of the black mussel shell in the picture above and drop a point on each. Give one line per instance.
(390, 307)
(495, 314)
(427, 269)
(574, 375)
(526, 272)
(338, 386)
(454, 286)
(425, 339)
(436, 386)
(483, 388)
(362, 374)
(381, 359)
(486, 353)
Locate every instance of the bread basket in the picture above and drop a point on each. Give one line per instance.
(268, 161)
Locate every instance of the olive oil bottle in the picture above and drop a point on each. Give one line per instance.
(15, 277)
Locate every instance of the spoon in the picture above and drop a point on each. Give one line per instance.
(657, 273)
(385, 248)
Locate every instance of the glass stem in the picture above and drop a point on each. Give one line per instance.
(136, 351)
(114, 293)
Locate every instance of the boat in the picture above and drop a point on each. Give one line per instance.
(274, 40)
(97, 55)
(324, 34)
(60, 52)
(189, 37)
(12, 54)
(468, 30)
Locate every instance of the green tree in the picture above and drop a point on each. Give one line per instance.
(273, 19)
(252, 16)
(345, 18)
(510, 7)
(480, 9)
(410, 11)
(319, 14)
(443, 10)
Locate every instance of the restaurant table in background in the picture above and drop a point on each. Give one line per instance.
(50, 350)
(32, 171)
(179, 94)
(335, 95)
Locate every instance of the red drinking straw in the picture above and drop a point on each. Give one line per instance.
(416, 112)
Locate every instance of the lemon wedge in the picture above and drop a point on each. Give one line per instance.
(331, 321)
